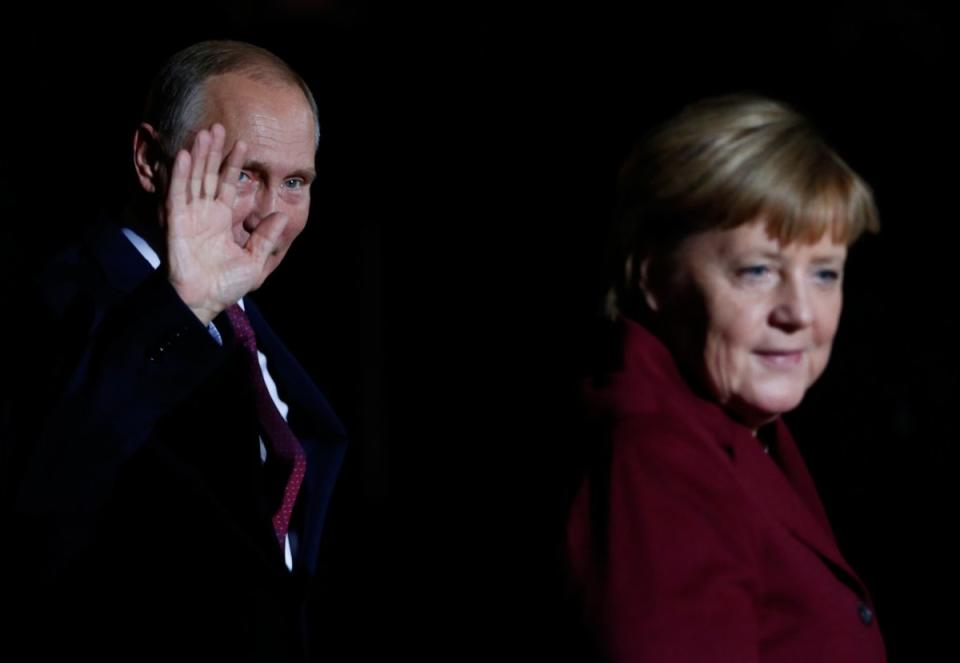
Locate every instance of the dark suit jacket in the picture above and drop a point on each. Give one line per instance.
(689, 543)
(141, 524)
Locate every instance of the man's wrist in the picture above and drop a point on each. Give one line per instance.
(205, 315)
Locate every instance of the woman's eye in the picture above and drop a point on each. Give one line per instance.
(828, 275)
(244, 176)
(753, 271)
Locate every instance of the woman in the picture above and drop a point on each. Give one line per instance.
(698, 534)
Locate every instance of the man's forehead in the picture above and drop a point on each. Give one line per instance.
(273, 119)
(243, 103)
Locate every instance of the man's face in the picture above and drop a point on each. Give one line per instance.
(278, 126)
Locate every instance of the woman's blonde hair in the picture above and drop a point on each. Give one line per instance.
(723, 162)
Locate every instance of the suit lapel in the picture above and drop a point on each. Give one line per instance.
(222, 448)
(788, 492)
(316, 426)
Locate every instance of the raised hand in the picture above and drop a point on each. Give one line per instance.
(206, 266)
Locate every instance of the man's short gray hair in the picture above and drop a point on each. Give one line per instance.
(175, 101)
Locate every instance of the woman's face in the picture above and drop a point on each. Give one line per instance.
(752, 318)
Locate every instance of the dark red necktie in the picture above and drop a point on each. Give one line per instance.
(282, 441)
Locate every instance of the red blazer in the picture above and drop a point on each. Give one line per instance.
(690, 543)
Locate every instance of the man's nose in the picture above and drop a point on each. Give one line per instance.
(264, 204)
(266, 201)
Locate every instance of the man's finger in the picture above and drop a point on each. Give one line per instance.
(177, 194)
(201, 147)
(212, 170)
(231, 173)
(265, 237)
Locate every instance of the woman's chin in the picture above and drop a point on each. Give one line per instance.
(755, 412)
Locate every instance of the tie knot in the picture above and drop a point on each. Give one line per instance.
(241, 327)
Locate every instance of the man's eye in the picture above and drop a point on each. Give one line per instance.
(294, 183)
(244, 176)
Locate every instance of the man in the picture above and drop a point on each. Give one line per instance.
(172, 463)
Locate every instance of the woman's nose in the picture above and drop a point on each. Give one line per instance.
(793, 309)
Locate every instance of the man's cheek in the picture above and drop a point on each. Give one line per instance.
(293, 230)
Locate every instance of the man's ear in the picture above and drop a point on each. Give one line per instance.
(148, 158)
(646, 281)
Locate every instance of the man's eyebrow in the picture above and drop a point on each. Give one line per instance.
(305, 173)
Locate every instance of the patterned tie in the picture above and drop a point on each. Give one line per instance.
(282, 441)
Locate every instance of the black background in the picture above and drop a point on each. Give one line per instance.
(441, 292)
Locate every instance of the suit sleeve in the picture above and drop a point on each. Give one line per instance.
(98, 380)
(663, 553)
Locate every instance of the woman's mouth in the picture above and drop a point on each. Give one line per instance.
(780, 358)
